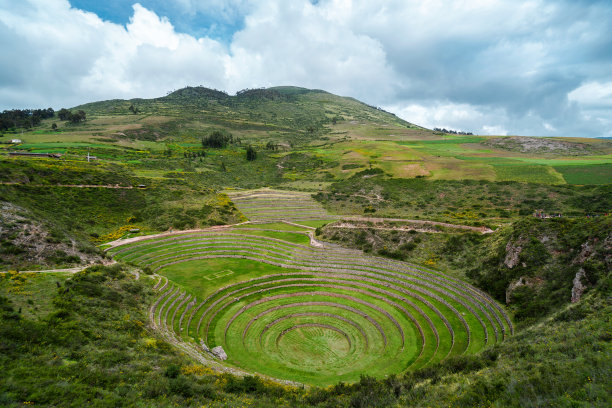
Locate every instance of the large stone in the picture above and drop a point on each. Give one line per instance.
(204, 346)
(579, 287)
(219, 353)
(513, 252)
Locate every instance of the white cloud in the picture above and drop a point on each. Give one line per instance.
(495, 130)
(81, 58)
(460, 117)
(529, 66)
(302, 44)
(593, 94)
(146, 27)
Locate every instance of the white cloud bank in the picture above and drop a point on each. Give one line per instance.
(531, 67)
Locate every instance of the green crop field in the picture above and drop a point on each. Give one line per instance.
(315, 315)
(527, 173)
(590, 174)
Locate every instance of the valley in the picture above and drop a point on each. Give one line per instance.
(354, 259)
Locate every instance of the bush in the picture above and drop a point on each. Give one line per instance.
(155, 387)
(371, 393)
(182, 385)
(172, 371)
(251, 153)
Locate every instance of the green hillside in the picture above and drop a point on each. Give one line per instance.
(350, 258)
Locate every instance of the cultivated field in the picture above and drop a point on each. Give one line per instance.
(312, 314)
(266, 205)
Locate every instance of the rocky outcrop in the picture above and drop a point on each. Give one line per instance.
(522, 281)
(513, 252)
(586, 250)
(579, 287)
(27, 242)
(204, 346)
(219, 353)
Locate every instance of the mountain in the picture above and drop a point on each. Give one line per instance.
(273, 109)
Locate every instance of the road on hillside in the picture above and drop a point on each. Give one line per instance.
(483, 230)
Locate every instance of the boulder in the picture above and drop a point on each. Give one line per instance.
(219, 353)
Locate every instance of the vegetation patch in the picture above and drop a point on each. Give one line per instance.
(591, 174)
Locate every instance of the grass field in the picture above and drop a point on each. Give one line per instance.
(315, 315)
(589, 174)
(30, 291)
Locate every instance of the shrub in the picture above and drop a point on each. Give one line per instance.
(181, 385)
(156, 387)
(371, 393)
(251, 153)
(172, 371)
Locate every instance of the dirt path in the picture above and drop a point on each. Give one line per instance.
(121, 241)
(65, 270)
(113, 186)
(299, 225)
(482, 230)
(313, 241)
(348, 226)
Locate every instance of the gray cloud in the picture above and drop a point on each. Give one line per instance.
(536, 67)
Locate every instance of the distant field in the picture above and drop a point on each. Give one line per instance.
(451, 158)
(591, 174)
(527, 173)
(361, 139)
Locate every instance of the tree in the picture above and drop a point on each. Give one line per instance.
(251, 153)
(217, 139)
(77, 117)
(54, 126)
(63, 113)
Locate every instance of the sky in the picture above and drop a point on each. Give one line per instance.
(502, 67)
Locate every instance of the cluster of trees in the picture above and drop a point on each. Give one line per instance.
(23, 118)
(378, 108)
(65, 114)
(261, 93)
(271, 146)
(193, 155)
(452, 132)
(218, 139)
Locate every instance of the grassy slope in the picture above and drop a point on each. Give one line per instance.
(338, 135)
(461, 201)
(548, 253)
(90, 346)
